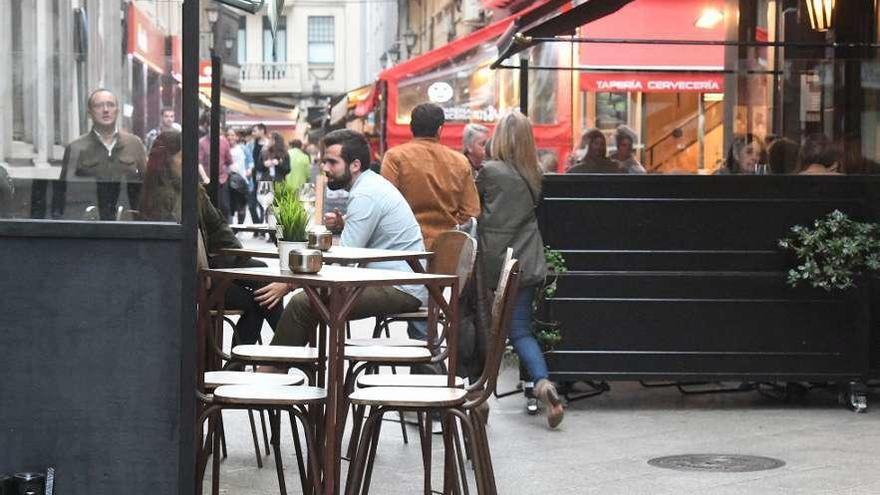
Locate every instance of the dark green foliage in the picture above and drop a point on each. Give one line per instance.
(833, 252)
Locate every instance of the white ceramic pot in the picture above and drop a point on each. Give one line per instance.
(284, 249)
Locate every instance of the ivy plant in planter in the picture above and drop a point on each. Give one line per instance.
(548, 333)
(834, 252)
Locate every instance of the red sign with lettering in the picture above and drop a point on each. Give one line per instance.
(652, 83)
(145, 40)
(205, 73)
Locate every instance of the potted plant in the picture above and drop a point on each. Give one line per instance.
(292, 219)
(834, 253)
(547, 332)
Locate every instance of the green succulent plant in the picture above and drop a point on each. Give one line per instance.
(833, 252)
(290, 214)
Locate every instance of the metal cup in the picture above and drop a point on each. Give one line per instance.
(321, 240)
(30, 483)
(305, 261)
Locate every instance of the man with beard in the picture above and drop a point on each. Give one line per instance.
(377, 217)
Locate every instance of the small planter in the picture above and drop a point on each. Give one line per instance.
(284, 249)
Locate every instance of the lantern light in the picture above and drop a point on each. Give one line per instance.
(821, 14)
(709, 18)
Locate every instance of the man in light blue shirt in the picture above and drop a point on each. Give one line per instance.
(377, 217)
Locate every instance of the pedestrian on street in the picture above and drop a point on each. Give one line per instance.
(510, 189)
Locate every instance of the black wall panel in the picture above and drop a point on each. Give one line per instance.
(91, 367)
(681, 276)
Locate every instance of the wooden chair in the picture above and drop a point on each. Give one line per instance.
(272, 393)
(220, 389)
(454, 254)
(453, 404)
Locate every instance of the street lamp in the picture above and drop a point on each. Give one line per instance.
(213, 14)
(409, 39)
(821, 14)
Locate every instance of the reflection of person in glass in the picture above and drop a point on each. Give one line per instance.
(106, 155)
(819, 156)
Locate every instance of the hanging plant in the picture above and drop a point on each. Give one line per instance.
(832, 253)
(548, 333)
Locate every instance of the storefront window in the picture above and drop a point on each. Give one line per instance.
(82, 95)
(769, 94)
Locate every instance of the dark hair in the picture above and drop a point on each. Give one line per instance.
(426, 119)
(818, 149)
(354, 146)
(740, 142)
(95, 92)
(166, 109)
(160, 198)
(296, 143)
(261, 127)
(278, 148)
(782, 156)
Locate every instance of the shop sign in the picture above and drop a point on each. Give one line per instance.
(465, 114)
(205, 74)
(440, 92)
(146, 42)
(652, 83)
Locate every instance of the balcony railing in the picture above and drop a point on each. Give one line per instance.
(270, 71)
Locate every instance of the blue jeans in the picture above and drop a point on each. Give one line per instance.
(524, 343)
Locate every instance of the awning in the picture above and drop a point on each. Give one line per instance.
(551, 19)
(252, 108)
(450, 50)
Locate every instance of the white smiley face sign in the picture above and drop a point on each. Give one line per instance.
(440, 92)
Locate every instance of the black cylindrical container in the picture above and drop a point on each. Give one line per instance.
(30, 483)
(6, 486)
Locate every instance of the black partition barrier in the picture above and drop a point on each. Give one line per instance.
(681, 278)
(97, 340)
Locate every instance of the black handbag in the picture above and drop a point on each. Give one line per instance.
(238, 183)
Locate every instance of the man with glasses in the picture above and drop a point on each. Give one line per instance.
(106, 156)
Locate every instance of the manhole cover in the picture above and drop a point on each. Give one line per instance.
(723, 463)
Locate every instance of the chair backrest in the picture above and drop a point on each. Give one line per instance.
(502, 312)
(454, 254)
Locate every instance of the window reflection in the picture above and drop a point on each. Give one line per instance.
(84, 98)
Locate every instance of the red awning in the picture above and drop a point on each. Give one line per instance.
(655, 20)
(450, 50)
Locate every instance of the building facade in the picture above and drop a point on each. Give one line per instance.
(320, 50)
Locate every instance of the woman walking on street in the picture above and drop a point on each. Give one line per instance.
(510, 187)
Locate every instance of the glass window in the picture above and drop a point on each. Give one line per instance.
(275, 49)
(321, 40)
(87, 94)
(241, 41)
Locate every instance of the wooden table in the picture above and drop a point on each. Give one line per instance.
(344, 255)
(332, 293)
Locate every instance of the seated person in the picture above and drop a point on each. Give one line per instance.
(819, 157)
(782, 156)
(161, 202)
(377, 217)
(744, 154)
(595, 160)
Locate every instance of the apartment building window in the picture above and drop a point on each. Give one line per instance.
(275, 50)
(241, 42)
(321, 40)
